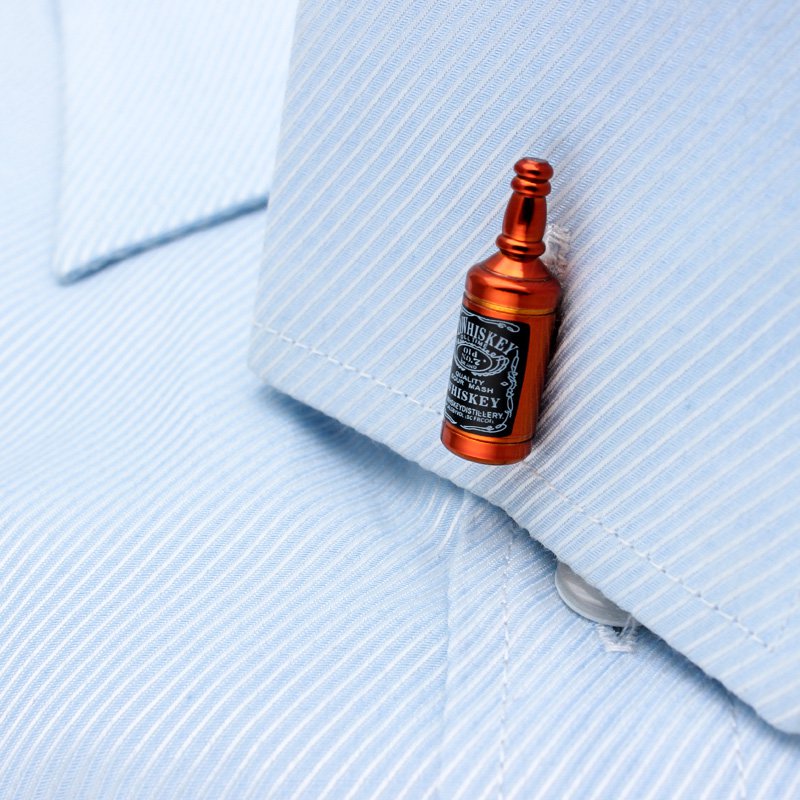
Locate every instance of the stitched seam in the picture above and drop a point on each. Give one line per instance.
(506, 650)
(460, 528)
(785, 625)
(737, 746)
(732, 618)
(360, 373)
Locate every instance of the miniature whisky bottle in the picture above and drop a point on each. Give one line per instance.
(504, 333)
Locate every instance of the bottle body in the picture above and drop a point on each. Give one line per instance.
(500, 359)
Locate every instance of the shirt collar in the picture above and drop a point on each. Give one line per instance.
(663, 472)
(171, 115)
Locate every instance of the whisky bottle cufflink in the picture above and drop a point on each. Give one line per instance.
(504, 334)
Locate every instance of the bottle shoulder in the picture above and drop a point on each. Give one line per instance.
(503, 281)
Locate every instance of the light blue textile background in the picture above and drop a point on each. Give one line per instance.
(666, 470)
(210, 590)
(171, 115)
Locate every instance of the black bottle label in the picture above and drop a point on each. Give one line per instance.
(487, 373)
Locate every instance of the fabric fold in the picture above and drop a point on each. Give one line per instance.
(171, 116)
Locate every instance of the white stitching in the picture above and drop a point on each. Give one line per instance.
(341, 364)
(618, 640)
(462, 523)
(787, 619)
(737, 746)
(732, 618)
(506, 650)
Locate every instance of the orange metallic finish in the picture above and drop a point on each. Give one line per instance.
(514, 285)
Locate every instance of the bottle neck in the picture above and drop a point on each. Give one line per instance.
(523, 227)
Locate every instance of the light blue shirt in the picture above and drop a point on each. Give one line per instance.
(210, 589)
(666, 469)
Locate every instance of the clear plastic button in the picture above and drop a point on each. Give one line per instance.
(587, 601)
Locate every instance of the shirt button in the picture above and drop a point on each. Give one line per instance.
(586, 600)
